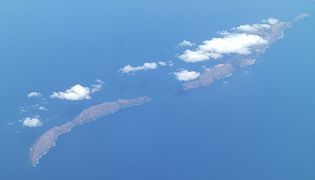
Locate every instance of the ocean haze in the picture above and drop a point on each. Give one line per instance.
(258, 125)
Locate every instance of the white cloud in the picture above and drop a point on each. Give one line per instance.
(233, 43)
(246, 62)
(186, 43)
(301, 17)
(22, 109)
(272, 21)
(32, 122)
(99, 81)
(146, 66)
(171, 63)
(253, 28)
(75, 93)
(194, 56)
(79, 92)
(230, 43)
(185, 75)
(97, 87)
(42, 108)
(243, 40)
(161, 63)
(34, 94)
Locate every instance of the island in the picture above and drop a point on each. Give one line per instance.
(209, 76)
(48, 140)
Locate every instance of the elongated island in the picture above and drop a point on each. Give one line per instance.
(48, 140)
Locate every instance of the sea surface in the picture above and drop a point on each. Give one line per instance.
(257, 124)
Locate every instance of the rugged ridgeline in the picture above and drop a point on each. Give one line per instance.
(209, 76)
(48, 140)
(217, 72)
(270, 31)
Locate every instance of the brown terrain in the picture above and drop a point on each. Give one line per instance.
(48, 140)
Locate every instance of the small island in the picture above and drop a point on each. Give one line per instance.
(48, 140)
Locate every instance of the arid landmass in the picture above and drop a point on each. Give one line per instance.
(209, 76)
(48, 140)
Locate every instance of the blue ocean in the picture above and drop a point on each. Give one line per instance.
(258, 124)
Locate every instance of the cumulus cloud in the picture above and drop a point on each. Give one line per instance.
(233, 43)
(146, 66)
(78, 92)
(230, 43)
(245, 42)
(252, 28)
(75, 93)
(248, 39)
(32, 122)
(34, 94)
(195, 56)
(271, 30)
(185, 75)
(186, 43)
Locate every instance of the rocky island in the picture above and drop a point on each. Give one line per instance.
(48, 140)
